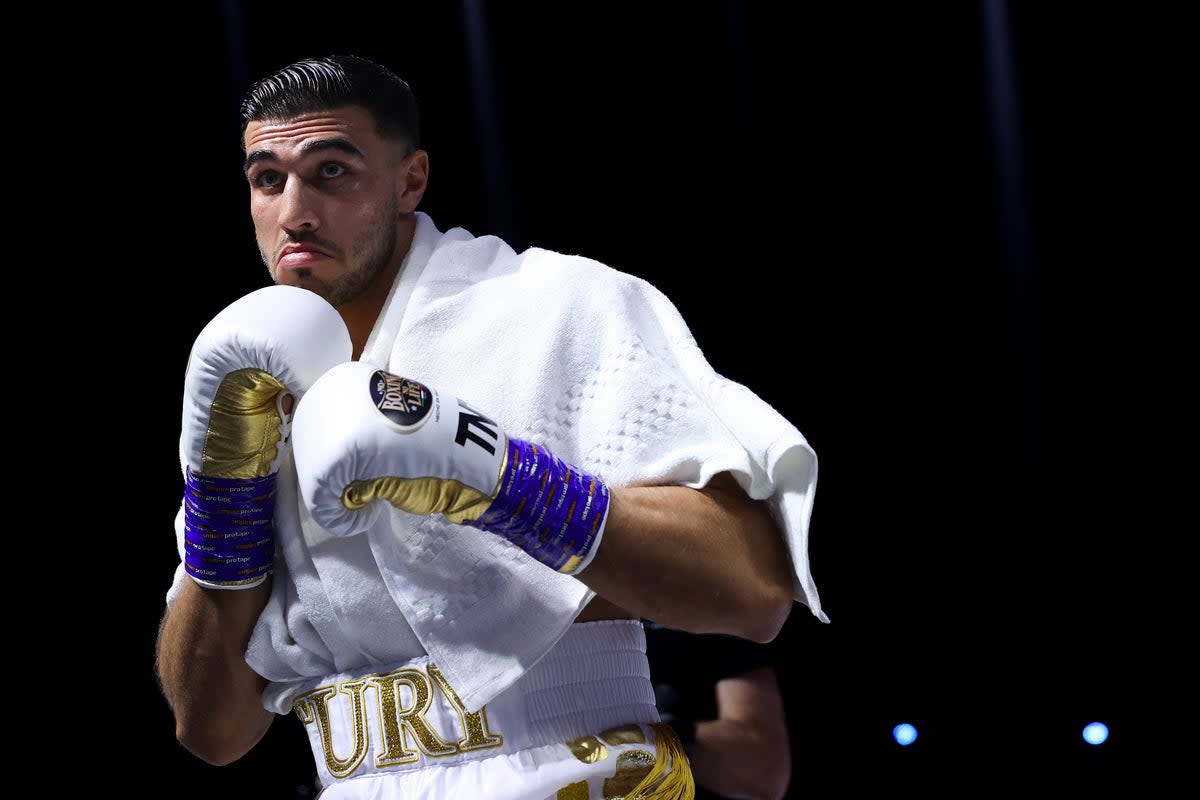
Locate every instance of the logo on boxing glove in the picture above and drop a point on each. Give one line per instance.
(408, 404)
(405, 402)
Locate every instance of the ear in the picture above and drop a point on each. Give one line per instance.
(411, 181)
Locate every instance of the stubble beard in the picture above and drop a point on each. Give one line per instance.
(373, 251)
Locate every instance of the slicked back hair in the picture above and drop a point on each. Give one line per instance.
(323, 84)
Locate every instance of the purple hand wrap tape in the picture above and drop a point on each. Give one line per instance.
(228, 529)
(548, 508)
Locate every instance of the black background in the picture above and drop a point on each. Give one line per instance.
(818, 189)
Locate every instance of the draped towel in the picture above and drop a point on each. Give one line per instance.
(595, 364)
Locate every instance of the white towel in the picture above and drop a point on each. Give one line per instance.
(596, 365)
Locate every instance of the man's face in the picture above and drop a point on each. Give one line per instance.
(323, 200)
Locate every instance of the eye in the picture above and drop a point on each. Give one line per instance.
(332, 169)
(266, 179)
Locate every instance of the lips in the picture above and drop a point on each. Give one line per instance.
(300, 255)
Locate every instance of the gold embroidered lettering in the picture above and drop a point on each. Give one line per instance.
(573, 791)
(626, 734)
(588, 749)
(397, 721)
(632, 768)
(314, 708)
(476, 734)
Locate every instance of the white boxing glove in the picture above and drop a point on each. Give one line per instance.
(364, 435)
(273, 342)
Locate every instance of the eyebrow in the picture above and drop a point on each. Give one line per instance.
(316, 145)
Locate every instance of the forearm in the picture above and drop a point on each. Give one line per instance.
(215, 695)
(708, 561)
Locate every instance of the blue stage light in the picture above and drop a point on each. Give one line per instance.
(904, 733)
(1095, 733)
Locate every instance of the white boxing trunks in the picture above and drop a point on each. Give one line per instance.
(581, 724)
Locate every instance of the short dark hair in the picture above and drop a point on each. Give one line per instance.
(323, 84)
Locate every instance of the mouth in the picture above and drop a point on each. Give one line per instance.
(300, 255)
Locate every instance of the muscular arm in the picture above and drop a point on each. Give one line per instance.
(704, 561)
(745, 752)
(201, 665)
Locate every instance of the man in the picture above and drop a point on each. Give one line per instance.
(347, 549)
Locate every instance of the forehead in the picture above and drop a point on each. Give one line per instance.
(284, 137)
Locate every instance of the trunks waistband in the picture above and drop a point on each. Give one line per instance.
(407, 716)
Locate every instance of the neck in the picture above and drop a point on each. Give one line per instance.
(361, 313)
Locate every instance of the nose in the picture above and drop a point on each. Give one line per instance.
(298, 210)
